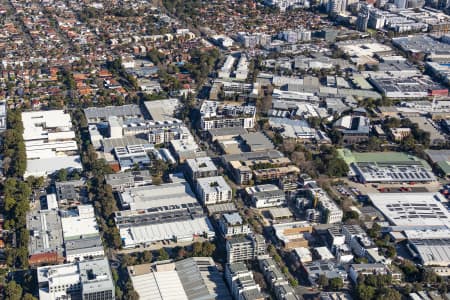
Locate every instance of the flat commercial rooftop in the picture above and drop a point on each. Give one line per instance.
(109, 144)
(162, 110)
(271, 154)
(94, 114)
(146, 197)
(201, 164)
(280, 212)
(421, 43)
(47, 166)
(410, 209)
(293, 128)
(47, 232)
(49, 142)
(257, 141)
(181, 230)
(217, 133)
(363, 47)
(221, 208)
(75, 227)
(33, 123)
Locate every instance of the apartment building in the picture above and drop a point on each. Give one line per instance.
(231, 224)
(200, 167)
(215, 115)
(241, 282)
(244, 248)
(212, 190)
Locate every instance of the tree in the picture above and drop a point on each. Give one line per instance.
(314, 122)
(336, 284)
(163, 255)
(365, 292)
(277, 258)
(271, 249)
(298, 157)
(197, 249)
(375, 231)
(336, 167)
(208, 249)
(371, 280)
(389, 293)
(374, 144)
(322, 281)
(336, 136)
(350, 215)
(13, 291)
(159, 167)
(28, 296)
(288, 145)
(391, 252)
(62, 175)
(128, 260)
(147, 256)
(132, 295)
(119, 293)
(115, 274)
(329, 162)
(293, 282)
(409, 269)
(157, 180)
(428, 276)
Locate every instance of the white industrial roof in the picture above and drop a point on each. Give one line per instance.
(159, 286)
(32, 123)
(165, 231)
(49, 137)
(51, 201)
(303, 254)
(428, 233)
(145, 197)
(74, 227)
(324, 253)
(41, 149)
(162, 110)
(410, 209)
(47, 166)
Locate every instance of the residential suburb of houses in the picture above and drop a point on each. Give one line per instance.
(225, 149)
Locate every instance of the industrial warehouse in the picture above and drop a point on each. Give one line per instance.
(387, 167)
